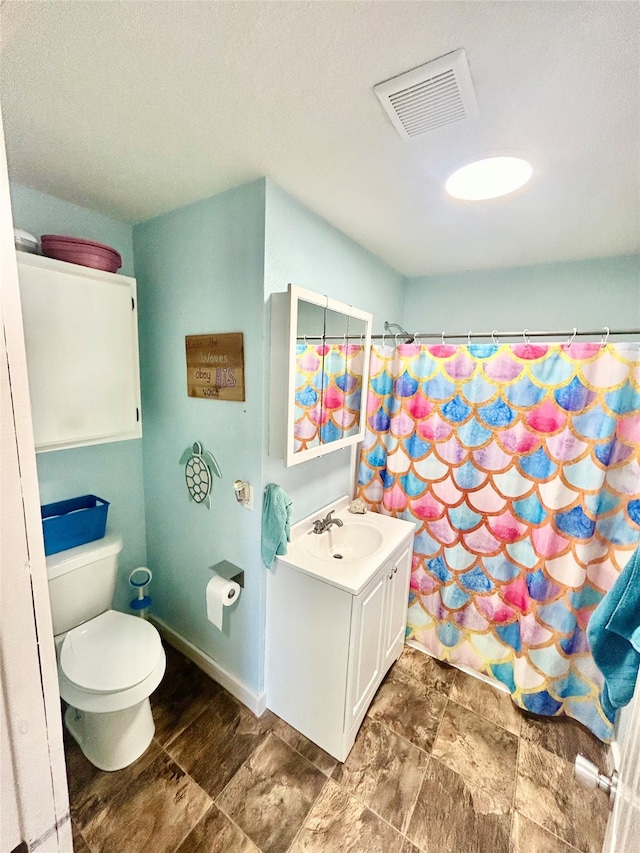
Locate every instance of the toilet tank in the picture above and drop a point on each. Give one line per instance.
(82, 582)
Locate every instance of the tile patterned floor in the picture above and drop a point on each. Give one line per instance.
(442, 763)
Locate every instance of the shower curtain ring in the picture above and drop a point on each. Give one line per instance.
(469, 338)
(416, 339)
(396, 337)
(384, 335)
(571, 339)
(444, 342)
(494, 338)
(605, 338)
(525, 336)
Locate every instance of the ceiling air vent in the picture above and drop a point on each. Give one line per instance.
(436, 94)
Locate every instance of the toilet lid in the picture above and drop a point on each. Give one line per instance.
(112, 652)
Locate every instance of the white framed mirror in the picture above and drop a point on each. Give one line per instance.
(328, 366)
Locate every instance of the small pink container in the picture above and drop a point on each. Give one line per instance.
(86, 253)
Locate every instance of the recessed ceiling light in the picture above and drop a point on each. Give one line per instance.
(489, 178)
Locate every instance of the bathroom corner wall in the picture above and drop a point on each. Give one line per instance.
(113, 471)
(302, 248)
(588, 294)
(200, 270)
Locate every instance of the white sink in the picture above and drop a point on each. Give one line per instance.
(353, 541)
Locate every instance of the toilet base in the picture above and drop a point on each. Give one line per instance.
(112, 740)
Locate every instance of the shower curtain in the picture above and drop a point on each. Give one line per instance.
(328, 389)
(520, 465)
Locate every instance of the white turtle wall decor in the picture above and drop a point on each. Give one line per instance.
(198, 473)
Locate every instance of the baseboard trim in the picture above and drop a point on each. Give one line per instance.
(256, 702)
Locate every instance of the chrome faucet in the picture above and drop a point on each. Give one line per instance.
(322, 524)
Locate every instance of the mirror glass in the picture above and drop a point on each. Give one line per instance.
(309, 376)
(330, 344)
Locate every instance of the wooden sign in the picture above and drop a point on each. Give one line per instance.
(215, 366)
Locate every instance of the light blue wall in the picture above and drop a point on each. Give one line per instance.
(112, 471)
(39, 214)
(212, 267)
(302, 248)
(200, 270)
(588, 294)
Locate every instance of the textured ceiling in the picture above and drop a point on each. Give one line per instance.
(136, 108)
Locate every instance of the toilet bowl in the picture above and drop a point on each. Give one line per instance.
(109, 662)
(107, 669)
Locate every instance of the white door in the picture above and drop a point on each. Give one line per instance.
(397, 602)
(623, 831)
(365, 654)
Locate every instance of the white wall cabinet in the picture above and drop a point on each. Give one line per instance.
(328, 649)
(81, 339)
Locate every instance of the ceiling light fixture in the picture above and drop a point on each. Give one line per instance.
(490, 177)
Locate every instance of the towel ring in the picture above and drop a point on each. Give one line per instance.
(605, 338)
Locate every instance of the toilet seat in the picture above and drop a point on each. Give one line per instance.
(111, 653)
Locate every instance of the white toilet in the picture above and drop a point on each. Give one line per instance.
(109, 663)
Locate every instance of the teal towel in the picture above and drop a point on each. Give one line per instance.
(614, 636)
(276, 523)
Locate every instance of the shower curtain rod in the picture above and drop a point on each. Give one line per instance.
(605, 333)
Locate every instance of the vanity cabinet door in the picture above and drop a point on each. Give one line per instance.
(81, 341)
(365, 654)
(397, 581)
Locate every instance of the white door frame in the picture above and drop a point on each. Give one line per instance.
(34, 795)
(624, 820)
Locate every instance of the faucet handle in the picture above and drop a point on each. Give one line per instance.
(329, 514)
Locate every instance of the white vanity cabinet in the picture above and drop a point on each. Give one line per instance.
(333, 631)
(81, 341)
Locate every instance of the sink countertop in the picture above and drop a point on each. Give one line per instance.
(351, 576)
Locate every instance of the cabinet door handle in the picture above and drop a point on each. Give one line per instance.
(395, 569)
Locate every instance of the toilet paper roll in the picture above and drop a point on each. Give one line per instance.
(220, 593)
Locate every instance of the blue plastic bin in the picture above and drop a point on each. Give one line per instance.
(67, 524)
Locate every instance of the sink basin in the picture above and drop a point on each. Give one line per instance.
(352, 541)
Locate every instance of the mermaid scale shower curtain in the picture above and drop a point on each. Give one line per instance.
(327, 393)
(521, 467)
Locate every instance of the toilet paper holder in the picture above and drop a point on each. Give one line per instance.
(230, 572)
